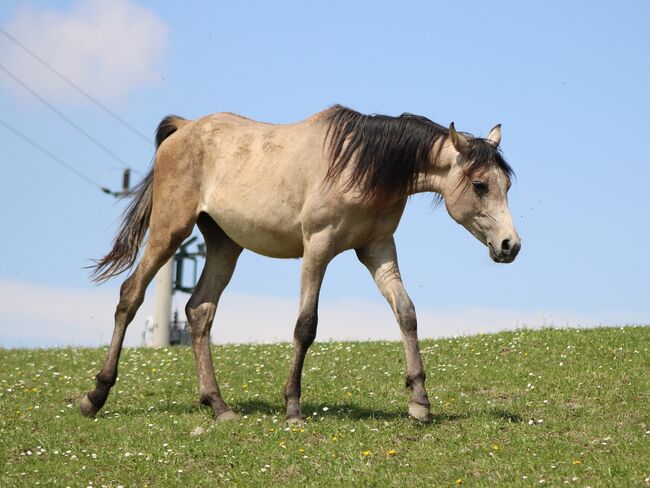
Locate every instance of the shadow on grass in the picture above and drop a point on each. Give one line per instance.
(356, 412)
(340, 410)
(139, 409)
(350, 411)
(503, 414)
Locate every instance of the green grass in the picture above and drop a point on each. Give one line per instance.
(563, 406)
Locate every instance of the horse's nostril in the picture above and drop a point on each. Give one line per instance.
(505, 245)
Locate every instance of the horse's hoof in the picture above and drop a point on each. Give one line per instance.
(295, 419)
(226, 416)
(419, 412)
(87, 408)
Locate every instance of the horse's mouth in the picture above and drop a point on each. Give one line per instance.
(500, 258)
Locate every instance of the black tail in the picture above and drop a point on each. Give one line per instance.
(135, 219)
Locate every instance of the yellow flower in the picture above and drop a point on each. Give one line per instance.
(366, 453)
(391, 452)
(301, 450)
(495, 447)
(459, 481)
(577, 461)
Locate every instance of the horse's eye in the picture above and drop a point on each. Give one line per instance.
(479, 186)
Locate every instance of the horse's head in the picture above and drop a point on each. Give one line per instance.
(476, 193)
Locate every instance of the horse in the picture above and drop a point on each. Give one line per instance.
(336, 181)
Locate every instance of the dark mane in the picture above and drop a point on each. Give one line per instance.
(484, 154)
(388, 153)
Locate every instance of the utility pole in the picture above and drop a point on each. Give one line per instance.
(163, 305)
(126, 185)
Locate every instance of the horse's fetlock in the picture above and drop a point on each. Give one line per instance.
(415, 379)
(206, 399)
(106, 379)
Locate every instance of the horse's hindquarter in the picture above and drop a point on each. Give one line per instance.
(256, 179)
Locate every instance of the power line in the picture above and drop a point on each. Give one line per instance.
(53, 156)
(75, 86)
(63, 116)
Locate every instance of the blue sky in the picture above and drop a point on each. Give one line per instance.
(568, 81)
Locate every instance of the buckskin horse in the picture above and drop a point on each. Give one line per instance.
(338, 180)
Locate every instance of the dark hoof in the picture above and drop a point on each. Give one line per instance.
(226, 416)
(420, 412)
(88, 408)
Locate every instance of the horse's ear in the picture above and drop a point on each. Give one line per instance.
(495, 135)
(460, 142)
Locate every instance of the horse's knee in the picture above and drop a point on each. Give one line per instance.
(305, 331)
(106, 379)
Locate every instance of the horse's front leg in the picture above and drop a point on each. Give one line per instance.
(381, 260)
(316, 257)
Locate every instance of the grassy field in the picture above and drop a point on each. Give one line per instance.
(525, 408)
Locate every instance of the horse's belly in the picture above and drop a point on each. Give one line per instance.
(262, 230)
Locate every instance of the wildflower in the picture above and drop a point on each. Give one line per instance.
(577, 461)
(366, 453)
(495, 447)
(459, 481)
(391, 452)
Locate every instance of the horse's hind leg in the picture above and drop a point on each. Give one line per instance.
(163, 242)
(220, 261)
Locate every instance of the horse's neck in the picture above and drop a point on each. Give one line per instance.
(434, 179)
